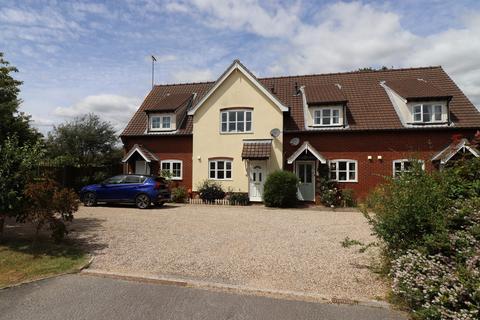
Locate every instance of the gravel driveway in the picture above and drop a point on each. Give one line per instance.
(281, 249)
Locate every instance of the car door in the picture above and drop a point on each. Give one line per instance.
(110, 189)
(133, 185)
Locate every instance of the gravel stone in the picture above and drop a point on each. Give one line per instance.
(280, 249)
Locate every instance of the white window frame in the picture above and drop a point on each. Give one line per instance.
(321, 112)
(227, 122)
(161, 118)
(216, 170)
(348, 161)
(402, 162)
(433, 106)
(170, 169)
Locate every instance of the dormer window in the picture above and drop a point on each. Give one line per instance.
(427, 113)
(326, 116)
(161, 122)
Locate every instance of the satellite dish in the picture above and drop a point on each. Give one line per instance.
(294, 141)
(275, 132)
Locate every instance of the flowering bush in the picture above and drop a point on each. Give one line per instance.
(430, 227)
(435, 287)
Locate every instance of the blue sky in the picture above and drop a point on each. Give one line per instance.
(77, 57)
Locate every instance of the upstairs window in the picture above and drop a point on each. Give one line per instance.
(427, 113)
(236, 121)
(326, 116)
(161, 122)
(173, 167)
(343, 170)
(220, 169)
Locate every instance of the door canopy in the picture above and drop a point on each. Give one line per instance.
(258, 149)
(454, 148)
(306, 147)
(142, 151)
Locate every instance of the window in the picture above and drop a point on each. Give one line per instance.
(174, 167)
(236, 121)
(134, 179)
(343, 170)
(220, 169)
(427, 113)
(161, 122)
(404, 165)
(326, 116)
(115, 180)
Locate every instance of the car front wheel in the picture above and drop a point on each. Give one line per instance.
(89, 199)
(142, 201)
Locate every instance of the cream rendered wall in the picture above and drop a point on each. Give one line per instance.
(208, 142)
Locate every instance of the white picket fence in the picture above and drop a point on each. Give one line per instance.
(218, 202)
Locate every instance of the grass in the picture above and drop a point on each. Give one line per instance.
(19, 261)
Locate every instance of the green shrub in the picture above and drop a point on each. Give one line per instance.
(179, 194)
(280, 189)
(49, 205)
(210, 191)
(239, 198)
(462, 179)
(348, 198)
(430, 225)
(329, 193)
(407, 209)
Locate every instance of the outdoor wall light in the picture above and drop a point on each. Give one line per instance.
(379, 157)
(369, 158)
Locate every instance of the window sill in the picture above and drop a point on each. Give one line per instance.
(220, 179)
(245, 132)
(176, 179)
(349, 181)
(325, 125)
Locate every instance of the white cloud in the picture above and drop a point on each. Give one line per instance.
(193, 75)
(346, 36)
(113, 108)
(244, 15)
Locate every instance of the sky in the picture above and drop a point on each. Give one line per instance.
(77, 57)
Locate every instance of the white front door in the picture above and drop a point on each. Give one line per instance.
(256, 180)
(142, 167)
(306, 175)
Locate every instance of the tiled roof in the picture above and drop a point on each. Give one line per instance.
(368, 106)
(324, 94)
(171, 102)
(256, 149)
(416, 89)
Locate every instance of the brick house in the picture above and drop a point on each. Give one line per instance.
(354, 127)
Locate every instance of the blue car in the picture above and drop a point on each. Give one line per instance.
(142, 190)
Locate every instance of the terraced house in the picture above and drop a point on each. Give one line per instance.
(354, 127)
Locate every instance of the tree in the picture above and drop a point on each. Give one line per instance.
(382, 68)
(87, 140)
(12, 121)
(49, 205)
(16, 164)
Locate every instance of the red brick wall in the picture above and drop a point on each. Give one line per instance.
(391, 145)
(167, 147)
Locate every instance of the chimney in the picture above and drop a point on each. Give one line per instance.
(272, 89)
